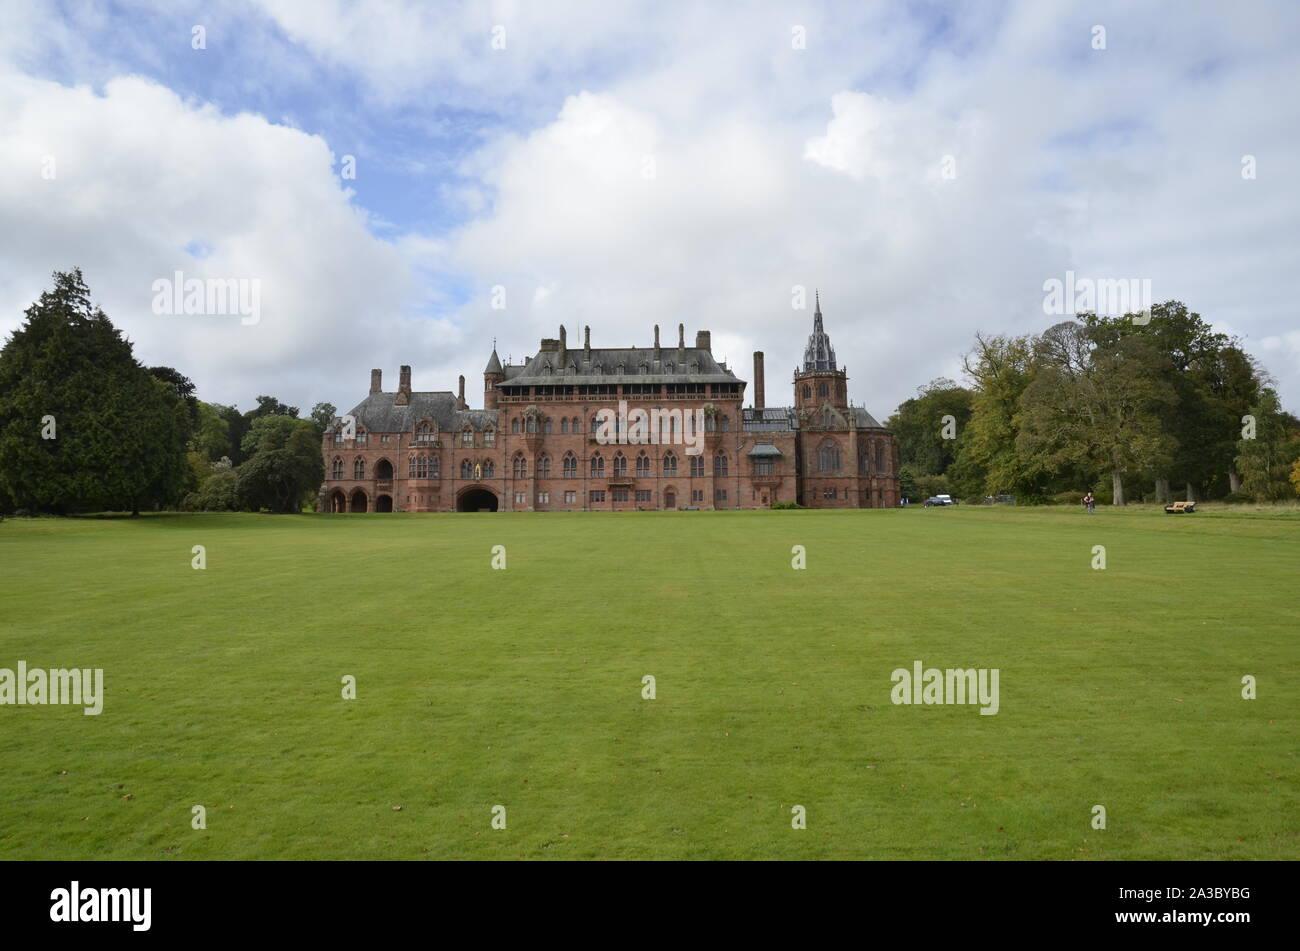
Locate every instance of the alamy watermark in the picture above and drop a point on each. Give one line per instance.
(953, 685)
(652, 427)
(1105, 297)
(38, 686)
(211, 297)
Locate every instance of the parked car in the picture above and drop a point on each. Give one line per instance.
(999, 500)
(939, 500)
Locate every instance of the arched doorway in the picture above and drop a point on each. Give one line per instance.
(338, 502)
(383, 473)
(358, 501)
(476, 499)
(670, 498)
(384, 503)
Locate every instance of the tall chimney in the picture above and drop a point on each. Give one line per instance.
(376, 381)
(460, 393)
(564, 347)
(403, 386)
(656, 341)
(681, 339)
(586, 342)
(704, 340)
(758, 379)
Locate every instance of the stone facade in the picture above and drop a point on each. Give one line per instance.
(586, 429)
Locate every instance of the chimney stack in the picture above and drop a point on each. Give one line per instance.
(376, 381)
(681, 340)
(758, 379)
(564, 347)
(586, 342)
(704, 340)
(403, 386)
(656, 341)
(460, 393)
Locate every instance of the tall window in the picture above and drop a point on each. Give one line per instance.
(598, 466)
(489, 468)
(762, 467)
(564, 425)
(720, 464)
(726, 424)
(828, 457)
(489, 437)
(570, 466)
(411, 468)
(576, 425)
(544, 467)
(514, 426)
(466, 469)
(880, 457)
(467, 437)
(530, 424)
(358, 468)
(336, 468)
(643, 466)
(807, 392)
(697, 466)
(424, 433)
(670, 464)
(620, 466)
(546, 426)
(822, 391)
(521, 467)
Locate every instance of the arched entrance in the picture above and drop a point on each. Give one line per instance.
(384, 503)
(338, 502)
(670, 498)
(358, 501)
(384, 473)
(476, 499)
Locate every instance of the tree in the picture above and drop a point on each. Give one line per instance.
(1265, 461)
(929, 427)
(270, 406)
(322, 414)
(116, 435)
(285, 466)
(1096, 406)
(988, 462)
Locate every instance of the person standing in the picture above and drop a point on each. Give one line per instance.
(1089, 502)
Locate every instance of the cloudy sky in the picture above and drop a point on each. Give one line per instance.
(927, 166)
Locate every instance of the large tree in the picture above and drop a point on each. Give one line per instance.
(284, 467)
(82, 424)
(929, 427)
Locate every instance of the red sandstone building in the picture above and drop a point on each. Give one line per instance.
(544, 439)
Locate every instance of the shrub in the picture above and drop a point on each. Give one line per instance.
(1237, 498)
(1068, 497)
(786, 505)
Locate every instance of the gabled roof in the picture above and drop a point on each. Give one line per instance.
(380, 413)
(689, 365)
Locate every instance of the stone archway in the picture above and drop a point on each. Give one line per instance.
(384, 471)
(338, 502)
(476, 499)
(358, 502)
(384, 503)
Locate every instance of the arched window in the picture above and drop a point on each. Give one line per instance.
(620, 465)
(489, 468)
(720, 464)
(828, 456)
(521, 467)
(466, 469)
(642, 466)
(358, 468)
(726, 424)
(880, 457)
(544, 467)
(530, 424)
(546, 426)
(697, 467)
(595, 424)
(489, 437)
(807, 392)
(423, 433)
(433, 467)
(564, 425)
(514, 426)
(576, 426)
(410, 468)
(336, 468)
(822, 391)
(598, 466)
(467, 436)
(670, 464)
(570, 466)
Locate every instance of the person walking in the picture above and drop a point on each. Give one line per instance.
(1089, 502)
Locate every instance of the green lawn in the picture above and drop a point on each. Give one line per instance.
(522, 687)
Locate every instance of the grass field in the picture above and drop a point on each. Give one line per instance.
(478, 687)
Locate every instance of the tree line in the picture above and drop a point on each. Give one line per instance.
(1132, 408)
(84, 426)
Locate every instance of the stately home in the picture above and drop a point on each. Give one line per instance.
(612, 429)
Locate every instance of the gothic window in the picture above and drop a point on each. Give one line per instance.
(598, 466)
(489, 437)
(822, 390)
(720, 464)
(807, 392)
(570, 466)
(423, 433)
(336, 468)
(762, 467)
(466, 469)
(489, 469)
(880, 457)
(530, 424)
(514, 426)
(697, 467)
(726, 424)
(544, 467)
(828, 456)
(577, 426)
(358, 468)
(410, 468)
(620, 466)
(564, 425)
(467, 436)
(670, 465)
(521, 467)
(433, 467)
(546, 426)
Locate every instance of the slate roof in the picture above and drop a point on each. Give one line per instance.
(689, 365)
(770, 418)
(763, 449)
(865, 419)
(379, 413)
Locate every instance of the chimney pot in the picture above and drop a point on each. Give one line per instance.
(704, 340)
(376, 381)
(759, 400)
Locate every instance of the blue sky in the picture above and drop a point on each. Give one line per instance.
(624, 165)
